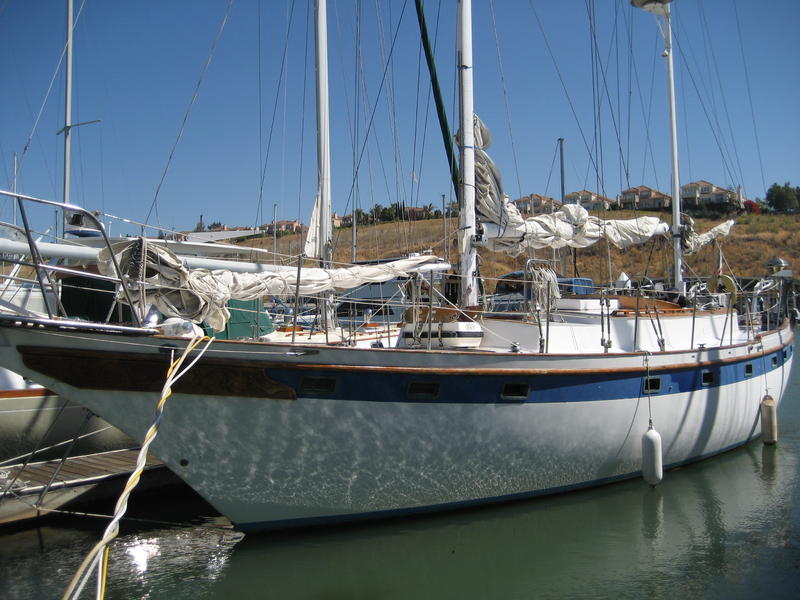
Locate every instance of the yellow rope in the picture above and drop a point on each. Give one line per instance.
(82, 574)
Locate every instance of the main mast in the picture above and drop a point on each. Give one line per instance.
(323, 136)
(68, 104)
(469, 262)
(661, 8)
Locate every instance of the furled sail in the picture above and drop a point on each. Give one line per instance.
(692, 241)
(201, 294)
(311, 248)
(507, 230)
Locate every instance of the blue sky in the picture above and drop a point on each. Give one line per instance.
(137, 65)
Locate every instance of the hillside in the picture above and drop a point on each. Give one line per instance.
(753, 240)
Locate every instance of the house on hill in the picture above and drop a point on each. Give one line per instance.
(536, 203)
(643, 197)
(284, 227)
(704, 193)
(415, 213)
(590, 200)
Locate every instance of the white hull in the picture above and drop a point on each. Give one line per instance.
(365, 442)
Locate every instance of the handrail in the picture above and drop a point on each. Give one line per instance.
(75, 209)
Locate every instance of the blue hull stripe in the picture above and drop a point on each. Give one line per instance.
(488, 388)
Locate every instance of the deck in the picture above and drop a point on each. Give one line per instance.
(80, 478)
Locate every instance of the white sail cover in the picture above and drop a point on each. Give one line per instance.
(201, 294)
(692, 242)
(506, 229)
(312, 246)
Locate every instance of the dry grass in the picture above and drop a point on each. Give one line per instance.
(753, 240)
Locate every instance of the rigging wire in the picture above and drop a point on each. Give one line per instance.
(281, 184)
(549, 176)
(362, 98)
(710, 49)
(260, 108)
(278, 88)
(563, 83)
(603, 78)
(597, 133)
(424, 134)
(375, 108)
(720, 145)
(27, 145)
(630, 96)
(344, 89)
(749, 95)
(154, 204)
(301, 148)
(646, 113)
(505, 98)
(400, 181)
(624, 172)
(616, 122)
(418, 172)
(356, 114)
(686, 138)
(415, 197)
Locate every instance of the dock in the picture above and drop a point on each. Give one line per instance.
(29, 491)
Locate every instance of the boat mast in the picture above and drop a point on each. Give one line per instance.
(677, 248)
(323, 135)
(564, 252)
(68, 104)
(661, 8)
(441, 113)
(467, 231)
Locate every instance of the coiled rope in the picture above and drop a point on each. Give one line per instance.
(92, 559)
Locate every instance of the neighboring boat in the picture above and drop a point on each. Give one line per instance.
(471, 409)
(34, 489)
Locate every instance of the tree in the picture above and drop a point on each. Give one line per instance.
(782, 198)
(362, 218)
(215, 225)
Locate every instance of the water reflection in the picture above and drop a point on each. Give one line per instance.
(627, 538)
(769, 463)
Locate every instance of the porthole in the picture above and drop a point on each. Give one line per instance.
(748, 370)
(423, 390)
(515, 392)
(651, 385)
(707, 378)
(317, 386)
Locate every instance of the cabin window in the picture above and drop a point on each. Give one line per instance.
(785, 354)
(748, 370)
(317, 386)
(775, 360)
(423, 390)
(515, 392)
(707, 378)
(652, 385)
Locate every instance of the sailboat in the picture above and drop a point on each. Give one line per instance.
(585, 392)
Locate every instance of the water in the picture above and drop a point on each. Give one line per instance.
(725, 528)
